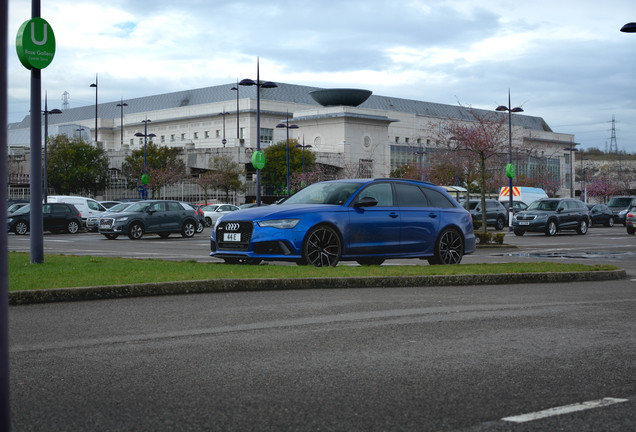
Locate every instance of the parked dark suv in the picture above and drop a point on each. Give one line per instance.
(496, 213)
(154, 216)
(55, 217)
(551, 215)
(619, 206)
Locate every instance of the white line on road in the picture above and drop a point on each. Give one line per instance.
(563, 410)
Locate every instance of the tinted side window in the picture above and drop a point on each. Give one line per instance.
(437, 199)
(382, 192)
(174, 206)
(410, 195)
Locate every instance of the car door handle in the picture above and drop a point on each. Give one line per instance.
(432, 215)
(393, 215)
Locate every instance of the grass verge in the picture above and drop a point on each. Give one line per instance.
(66, 271)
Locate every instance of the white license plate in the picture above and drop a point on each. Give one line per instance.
(524, 223)
(106, 226)
(232, 237)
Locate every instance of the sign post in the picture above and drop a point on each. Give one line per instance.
(35, 46)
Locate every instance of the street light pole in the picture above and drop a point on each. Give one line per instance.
(122, 105)
(224, 113)
(46, 113)
(259, 85)
(96, 87)
(287, 126)
(238, 131)
(146, 135)
(510, 111)
(303, 146)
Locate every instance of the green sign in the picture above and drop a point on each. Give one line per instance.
(35, 44)
(510, 171)
(145, 178)
(258, 159)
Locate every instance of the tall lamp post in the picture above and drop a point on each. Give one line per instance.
(96, 87)
(571, 149)
(420, 152)
(121, 105)
(287, 127)
(303, 146)
(510, 168)
(144, 177)
(259, 85)
(238, 130)
(224, 113)
(46, 113)
(80, 131)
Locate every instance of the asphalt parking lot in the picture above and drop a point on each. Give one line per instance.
(599, 245)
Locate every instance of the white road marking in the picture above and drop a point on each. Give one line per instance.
(550, 412)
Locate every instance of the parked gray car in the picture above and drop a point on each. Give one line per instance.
(153, 216)
(552, 215)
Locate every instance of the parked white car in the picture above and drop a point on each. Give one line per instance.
(212, 212)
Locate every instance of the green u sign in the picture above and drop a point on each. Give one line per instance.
(35, 44)
(258, 160)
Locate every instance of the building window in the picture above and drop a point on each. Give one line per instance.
(206, 134)
(196, 135)
(397, 139)
(217, 133)
(267, 136)
(242, 133)
(132, 141)
(183, 137)
(406, 140)
(141, 141)
(172, 137)
(163, 138)
(365, 168)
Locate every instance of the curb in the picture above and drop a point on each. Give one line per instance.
(236, 285)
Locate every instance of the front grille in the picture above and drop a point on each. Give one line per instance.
(526, 217)
(107, 221)
(243, 228)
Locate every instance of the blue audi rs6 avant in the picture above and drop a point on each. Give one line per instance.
(367, 221)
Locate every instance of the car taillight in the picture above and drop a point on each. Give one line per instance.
(630, 215)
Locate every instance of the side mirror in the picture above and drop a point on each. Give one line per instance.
(366, 202)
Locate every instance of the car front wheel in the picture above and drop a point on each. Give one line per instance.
(551, 228)
(500, 224)
(631, 229)
(136, 231)
(610, 222)
(188, 229)
(322, 247)
(449, 248)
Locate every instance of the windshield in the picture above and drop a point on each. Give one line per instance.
(119, 207)
(544, 205)
(619, 202)
(324, 193)
(22, 210)
(138, 207)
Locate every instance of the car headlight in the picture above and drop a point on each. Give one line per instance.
(542, 217)
(121, 219)
(622, 212)
(279, 223)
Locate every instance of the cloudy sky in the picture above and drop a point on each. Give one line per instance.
(563, 60)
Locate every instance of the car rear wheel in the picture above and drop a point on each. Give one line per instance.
(610, 222)
(136, 231)
(188, 229)
(500, 224)
(111, 236)
(370, 261)
(208, 221)
(21, 228)
(449, 248)
(72, 227)
(551, 228)
(582, 228)
(519, 233)
(322, 247)
(631, 229)
(200, 227)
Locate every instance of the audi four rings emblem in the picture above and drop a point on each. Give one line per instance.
(232, 227)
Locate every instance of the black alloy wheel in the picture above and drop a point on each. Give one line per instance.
(322, 247)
